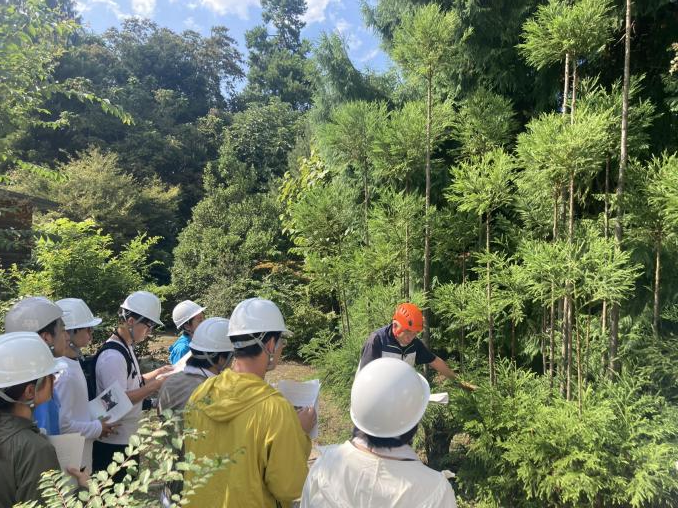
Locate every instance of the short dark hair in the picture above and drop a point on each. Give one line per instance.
(253, 350)
(387, 442)
(201, 363)
(50, 328)
(13, 392)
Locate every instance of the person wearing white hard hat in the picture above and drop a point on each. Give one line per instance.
(211, 353)
(116, 362)
(378, 467)
(187, 316)
(238, 409)
(27, 370)
(71, 386)
(42, 316)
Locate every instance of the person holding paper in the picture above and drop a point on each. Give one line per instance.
(378, 467)
(399, 340)
(42, 316)
(117, 363)
(27, 370)
(71, 386)
(211, 353)
(187, 316)
(238, 410)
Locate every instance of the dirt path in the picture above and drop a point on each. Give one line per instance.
(335, 424)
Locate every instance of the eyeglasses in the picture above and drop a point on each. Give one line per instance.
(147, 323)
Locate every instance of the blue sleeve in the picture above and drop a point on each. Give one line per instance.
(46, 416)
(371, 350)
(179, 349)
(424, 356)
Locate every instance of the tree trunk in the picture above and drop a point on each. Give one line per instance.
(579, 371)
(366, 190)
(406, 289)
(463, 328)
(490, 317)
(566, 85)
(657, 278)
(543, 342)
(606, 233)
(427, 223)
(513, 341)
(614, 364)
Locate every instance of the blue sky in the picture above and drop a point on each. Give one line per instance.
(341, 16)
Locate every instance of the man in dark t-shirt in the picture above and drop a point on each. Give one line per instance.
(399, 340)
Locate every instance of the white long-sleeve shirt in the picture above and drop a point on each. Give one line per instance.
(111, 367)
(74, 417)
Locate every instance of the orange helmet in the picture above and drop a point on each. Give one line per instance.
(409, 317)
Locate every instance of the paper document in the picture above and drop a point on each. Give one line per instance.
(69, 449)
(302, 395)
(439, 398)
(177, 367)
(112, 402)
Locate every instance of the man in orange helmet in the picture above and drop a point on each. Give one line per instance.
(399, 340)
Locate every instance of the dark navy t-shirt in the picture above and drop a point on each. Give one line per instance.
(382, 344)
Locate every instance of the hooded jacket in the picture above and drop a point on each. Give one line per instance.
(24, 455)
(251, 422)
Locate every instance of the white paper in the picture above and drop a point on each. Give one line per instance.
(177, 367)
(112, 402)
(302, 394)
(439, 398)
(69, 449)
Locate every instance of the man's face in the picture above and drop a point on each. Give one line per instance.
(141, 328)
(194, 322)
(59, 340)
(82, 337)
(404, 337)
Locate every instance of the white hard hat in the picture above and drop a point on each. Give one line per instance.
(24, 357)
(255, 316)
(31, 314)
(145, 304)
(388, 398)
(211, 336)
(185, 311)
(77, 314)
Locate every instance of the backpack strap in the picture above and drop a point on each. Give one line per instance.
(116, 346)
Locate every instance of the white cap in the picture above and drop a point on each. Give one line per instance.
(255, 316)
(211, 336)
(77, 314)
(185, 311)
(31, 314)
(388, 398)
(24, 357)
(145, 304)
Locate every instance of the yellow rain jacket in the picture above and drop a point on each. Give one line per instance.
(242, 411)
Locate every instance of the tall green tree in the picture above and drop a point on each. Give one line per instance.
(348, 138)
(482, 186)
(277, 64)
(423, 45)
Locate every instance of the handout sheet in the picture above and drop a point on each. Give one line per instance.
(69, 449)
(302, 394)
(113, 403)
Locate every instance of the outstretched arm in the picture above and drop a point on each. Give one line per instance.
(443, 369)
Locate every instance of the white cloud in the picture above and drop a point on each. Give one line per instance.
(369, 56)
(111, 5)
(238, 7)
(345, 30)
(315, 10)
(143, 8)
(190, 24)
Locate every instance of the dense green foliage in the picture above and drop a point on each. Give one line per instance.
(479, 177)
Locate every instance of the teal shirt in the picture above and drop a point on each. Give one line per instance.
(179, 348)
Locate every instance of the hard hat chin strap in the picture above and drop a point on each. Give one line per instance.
(208, 357)
(72, 345)
(30, 403)
(257, 339)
